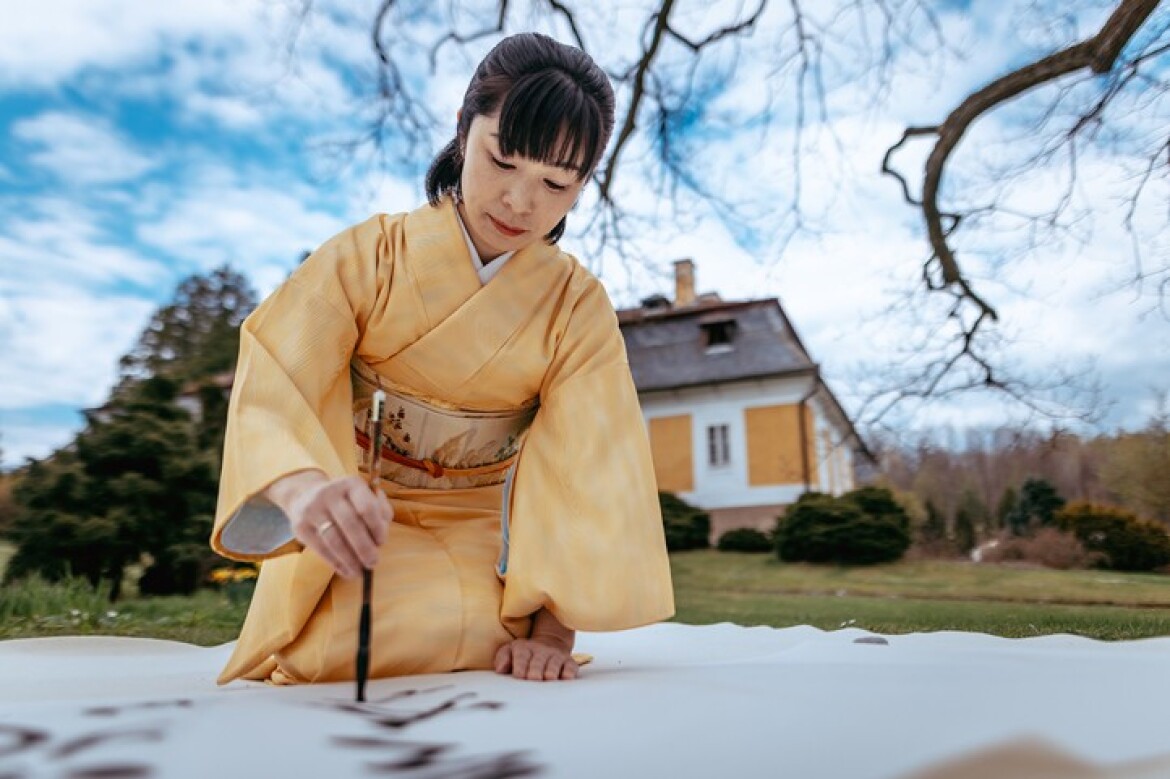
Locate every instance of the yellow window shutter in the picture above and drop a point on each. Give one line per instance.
(671, 448)
(774, 438)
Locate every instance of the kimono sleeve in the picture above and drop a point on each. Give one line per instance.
(291, 403)
(585, 535)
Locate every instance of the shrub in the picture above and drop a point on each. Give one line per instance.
(1126, 542)
(1048, 547)
(1036, 507)
(879, 502)
(686, 526)
(744, 539)
(822, 529)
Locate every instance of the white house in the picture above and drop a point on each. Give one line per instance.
(740, 420)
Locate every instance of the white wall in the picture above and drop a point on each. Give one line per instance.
(835, 457)
(727, 486)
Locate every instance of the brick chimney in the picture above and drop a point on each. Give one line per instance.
(684, 283)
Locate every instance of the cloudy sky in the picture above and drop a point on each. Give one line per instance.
(143, 142)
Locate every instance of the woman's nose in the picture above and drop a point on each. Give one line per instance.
(518, 198)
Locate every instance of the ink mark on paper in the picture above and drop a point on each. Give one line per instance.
(424, 759)
(16, 740)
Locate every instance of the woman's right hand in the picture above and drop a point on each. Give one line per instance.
(341, 519)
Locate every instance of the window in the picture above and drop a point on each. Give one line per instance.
(718, 335)
(718, 447)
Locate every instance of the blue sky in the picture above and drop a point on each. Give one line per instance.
(140, 143)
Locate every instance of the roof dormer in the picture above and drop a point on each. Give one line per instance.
(719, 333)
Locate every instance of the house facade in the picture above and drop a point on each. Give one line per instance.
(740, 421)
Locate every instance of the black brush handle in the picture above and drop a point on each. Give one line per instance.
(363, 652)
(377, 408)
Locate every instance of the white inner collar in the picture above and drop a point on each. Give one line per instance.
(485, 272)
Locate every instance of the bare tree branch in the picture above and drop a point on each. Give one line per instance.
(1098, 54)
(661, 21)
(567, 14)
(454, 37)
(942, 272)
(723, 32)
(671, 74)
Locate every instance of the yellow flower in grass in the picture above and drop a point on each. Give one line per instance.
(221, 575)
(229, 574)
(245, 574)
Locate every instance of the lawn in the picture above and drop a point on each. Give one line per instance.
(713, 586)
(910, 597)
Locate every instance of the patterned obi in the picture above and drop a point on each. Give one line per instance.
(432, 446)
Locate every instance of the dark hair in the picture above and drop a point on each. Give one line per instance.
(555, 105)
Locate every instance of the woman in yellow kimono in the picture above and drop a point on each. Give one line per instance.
(520, 504)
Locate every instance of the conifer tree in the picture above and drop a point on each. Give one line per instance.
(1005, 507)
(139, 482)
(970, 517)
(934, 530)
(1036, 507)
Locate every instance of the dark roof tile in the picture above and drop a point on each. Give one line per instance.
(667, 348)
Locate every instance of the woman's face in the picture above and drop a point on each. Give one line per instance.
(510, 202)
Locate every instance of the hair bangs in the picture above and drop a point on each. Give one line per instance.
(547, 117)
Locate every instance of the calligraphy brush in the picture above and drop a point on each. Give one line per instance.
(363, 650)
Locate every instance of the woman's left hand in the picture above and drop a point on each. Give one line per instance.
(536, 660)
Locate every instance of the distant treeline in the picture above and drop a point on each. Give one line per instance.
(984, 471)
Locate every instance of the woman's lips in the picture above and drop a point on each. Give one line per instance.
(506, 229)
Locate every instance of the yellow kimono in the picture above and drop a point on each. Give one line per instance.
(398, 297)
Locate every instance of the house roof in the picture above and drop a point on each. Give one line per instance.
(667, 348)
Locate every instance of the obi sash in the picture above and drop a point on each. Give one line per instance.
(432, 446)
(426, 445)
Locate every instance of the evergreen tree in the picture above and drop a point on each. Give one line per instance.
(934, 530)
(1036, 507)
(970, 517)
(197, 335)
(140, 479)
(53, 531)
(133, 483)
(1005, 507)
(7, 502)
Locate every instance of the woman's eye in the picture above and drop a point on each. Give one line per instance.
(501, 164)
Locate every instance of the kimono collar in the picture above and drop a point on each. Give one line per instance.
(486, 272)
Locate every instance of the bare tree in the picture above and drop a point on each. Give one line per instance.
(1082, 100)
(703, 87)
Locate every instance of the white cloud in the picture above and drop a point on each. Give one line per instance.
(59, 242)
(63, 344)
(252, 227)
(45, 42)
(232, 112)
(81, 150)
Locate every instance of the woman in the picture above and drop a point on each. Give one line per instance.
(520, 502)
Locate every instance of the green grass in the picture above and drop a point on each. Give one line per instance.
(711, 587)
(919, 596)
(32, 609)
(897, 615)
